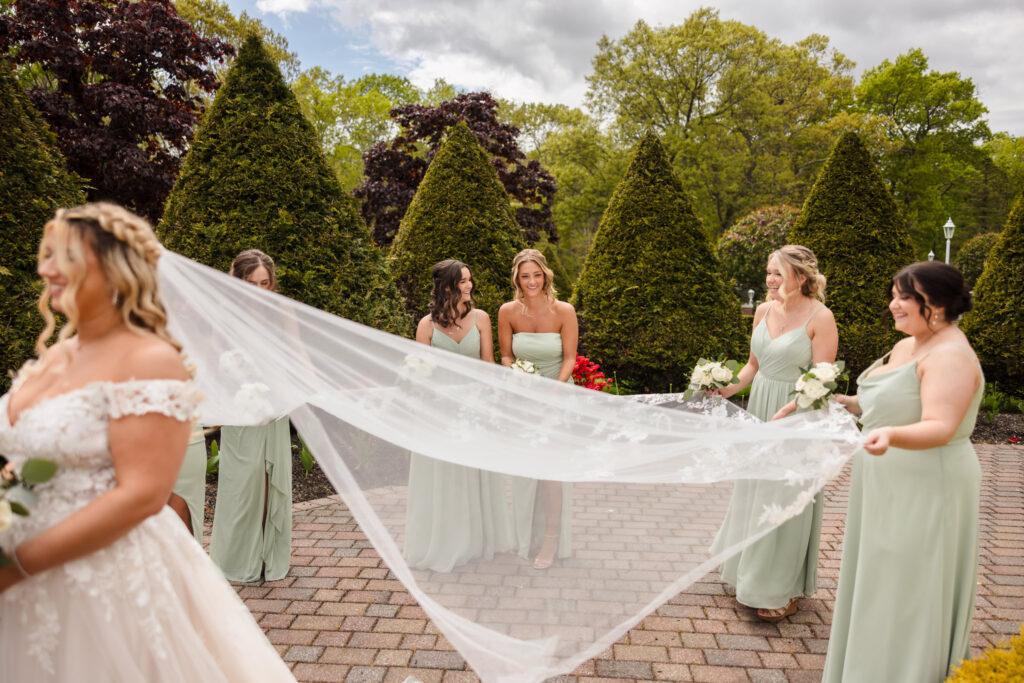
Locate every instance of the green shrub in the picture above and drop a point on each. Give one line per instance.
(653, 296)
(970, 258)
(460, 211)
(34, 182)
(745, 247)
(996, 325)
(852, 224)
(995, 665)
(256, 178)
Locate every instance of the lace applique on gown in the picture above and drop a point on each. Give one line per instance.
(149, 607)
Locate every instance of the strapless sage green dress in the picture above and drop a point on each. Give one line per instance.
(784, 563)
(255, 465)
(454, 513)
(544, 350)
(191, 482)
(910, 553)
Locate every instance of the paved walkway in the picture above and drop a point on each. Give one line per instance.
(341, 616)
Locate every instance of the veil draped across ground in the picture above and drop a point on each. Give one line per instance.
(651, 476)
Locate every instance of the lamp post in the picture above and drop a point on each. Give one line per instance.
(947, 230)
(931, 254)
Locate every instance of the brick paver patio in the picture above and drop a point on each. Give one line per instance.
(340, 615)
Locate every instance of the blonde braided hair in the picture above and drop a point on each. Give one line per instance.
(127, 250)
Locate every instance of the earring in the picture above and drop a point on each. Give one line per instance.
(115, 298)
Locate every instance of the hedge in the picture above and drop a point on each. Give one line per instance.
(460, 211)
(745, 247)
(34, 182)
(256, 178)
(996, 325)
(970, 257)
(653, 297)
(852, 224)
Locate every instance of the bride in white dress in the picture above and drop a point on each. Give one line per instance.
(106, 584)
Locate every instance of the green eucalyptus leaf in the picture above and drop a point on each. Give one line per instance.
(38, 471)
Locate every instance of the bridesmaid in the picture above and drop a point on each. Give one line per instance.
(252, 521)
(910, 554)
(537, 327)
(189, 496)
(792, 330)
(454, 514)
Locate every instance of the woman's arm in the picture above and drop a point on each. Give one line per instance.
(746, 375)
(424, 330)
(948, 384)
(483, 324)
(505, 333)
(570, 339)
(147, 452)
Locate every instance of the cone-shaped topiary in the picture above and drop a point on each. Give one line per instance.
(852, 224)
(970, 257)
(653, 297)
(996, 325)
(256, 178)
(34, 182)
(460, 211)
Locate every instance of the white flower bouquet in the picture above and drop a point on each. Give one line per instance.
(525, 366)
(418, 365)
(817, 383)
(709, 375)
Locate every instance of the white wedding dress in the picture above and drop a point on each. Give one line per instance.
(151, 606)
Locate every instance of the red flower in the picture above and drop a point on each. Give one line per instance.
(587, 373)
(1014, 439)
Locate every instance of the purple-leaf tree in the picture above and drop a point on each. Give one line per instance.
(120, 82)
(393, 171)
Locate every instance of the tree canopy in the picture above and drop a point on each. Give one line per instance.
(394, 170)
(118, 82)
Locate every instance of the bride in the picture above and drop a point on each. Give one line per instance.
(105, 584)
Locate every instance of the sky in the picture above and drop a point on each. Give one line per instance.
(541, 50)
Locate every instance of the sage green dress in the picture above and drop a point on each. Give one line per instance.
(910, 553)
(255, 465)
(783, 564)
(454, 513)
(191, 483)
(544, 350)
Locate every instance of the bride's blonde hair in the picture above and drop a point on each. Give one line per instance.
(127, 251)
(526, 256)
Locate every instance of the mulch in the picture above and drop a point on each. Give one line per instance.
(1004, 428)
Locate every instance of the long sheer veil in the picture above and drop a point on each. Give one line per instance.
(651, 477)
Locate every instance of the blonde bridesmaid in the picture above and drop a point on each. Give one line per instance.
(537, 327)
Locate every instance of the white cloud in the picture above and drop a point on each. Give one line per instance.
(540, 50)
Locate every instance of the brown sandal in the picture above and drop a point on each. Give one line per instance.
(774, 615)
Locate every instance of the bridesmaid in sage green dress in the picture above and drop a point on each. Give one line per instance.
(792, 330)
(454, 513)
(188, 498)
(252, 520)
(910, 553)
(537, 327)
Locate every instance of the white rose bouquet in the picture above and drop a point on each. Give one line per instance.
(817, 383)
(709, 375)
(526, 366)
(16, 494)
(415, 365)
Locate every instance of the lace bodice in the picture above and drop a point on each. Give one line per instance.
(70, 429)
